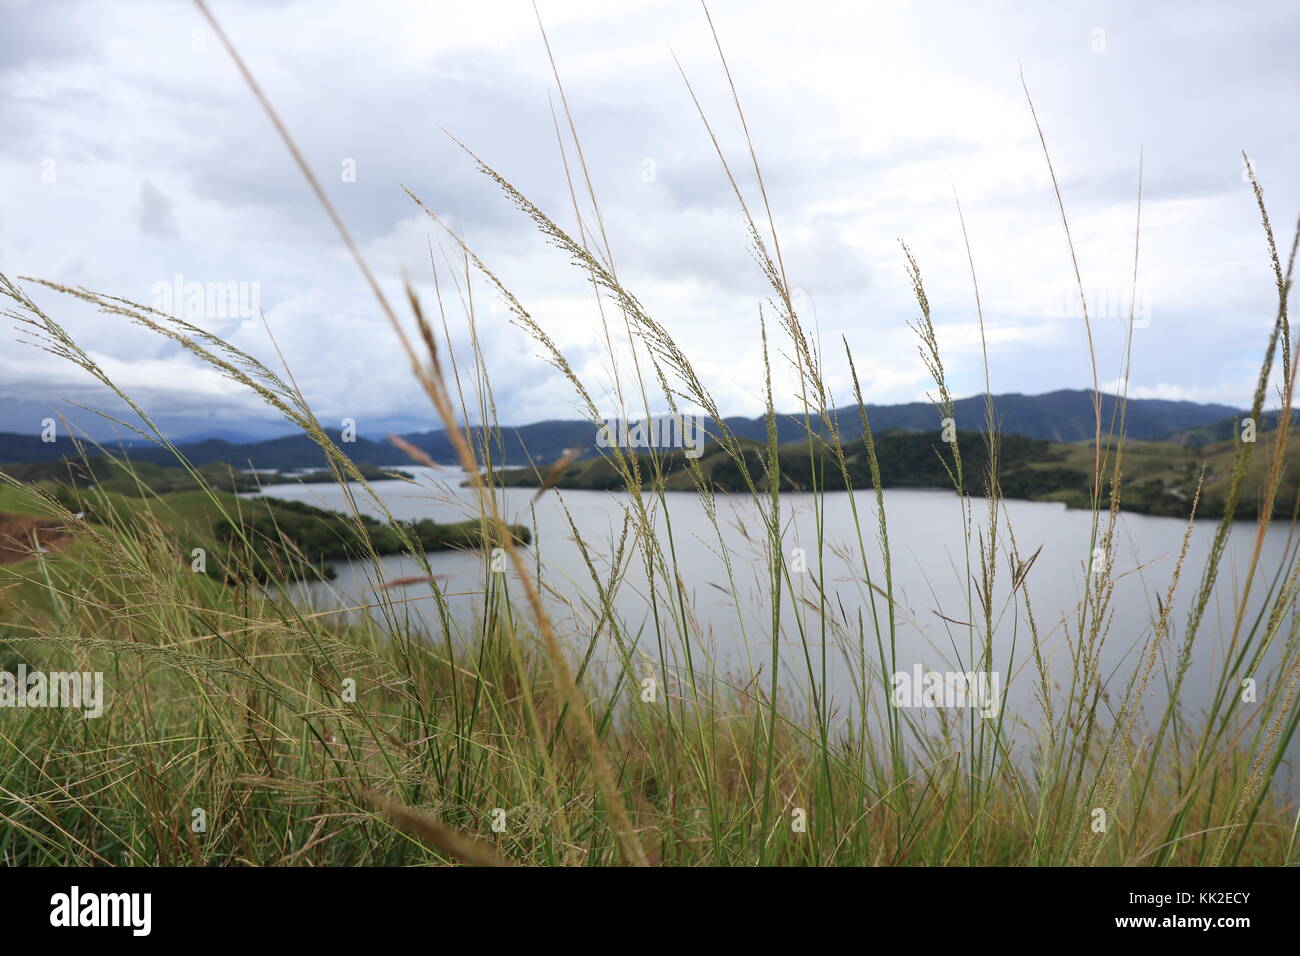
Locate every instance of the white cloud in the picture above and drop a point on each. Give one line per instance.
(865, 119)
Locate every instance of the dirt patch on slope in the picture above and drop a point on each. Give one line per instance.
(21, 535)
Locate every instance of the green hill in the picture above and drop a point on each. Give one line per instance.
(261, 537)
(1157, 478)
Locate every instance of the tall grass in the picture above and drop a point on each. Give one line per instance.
(233, 699)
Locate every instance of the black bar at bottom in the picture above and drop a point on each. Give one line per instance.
(331, 906)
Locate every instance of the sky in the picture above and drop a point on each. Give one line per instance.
(135, 161)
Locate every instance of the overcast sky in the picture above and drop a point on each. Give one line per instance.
(132, 153)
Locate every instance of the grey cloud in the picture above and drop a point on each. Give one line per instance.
(156, 214)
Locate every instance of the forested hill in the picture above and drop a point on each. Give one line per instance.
(1157, 478)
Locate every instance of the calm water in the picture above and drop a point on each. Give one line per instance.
(929, 567)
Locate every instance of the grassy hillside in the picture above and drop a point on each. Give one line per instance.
(264, 537)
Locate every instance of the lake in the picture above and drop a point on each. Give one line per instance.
(929, 569)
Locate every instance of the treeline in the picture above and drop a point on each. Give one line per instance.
(292, 539)
(1027, 467)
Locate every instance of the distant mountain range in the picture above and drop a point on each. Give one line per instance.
(1063, 416)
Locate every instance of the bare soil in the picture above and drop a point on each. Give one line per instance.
(21, 535)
